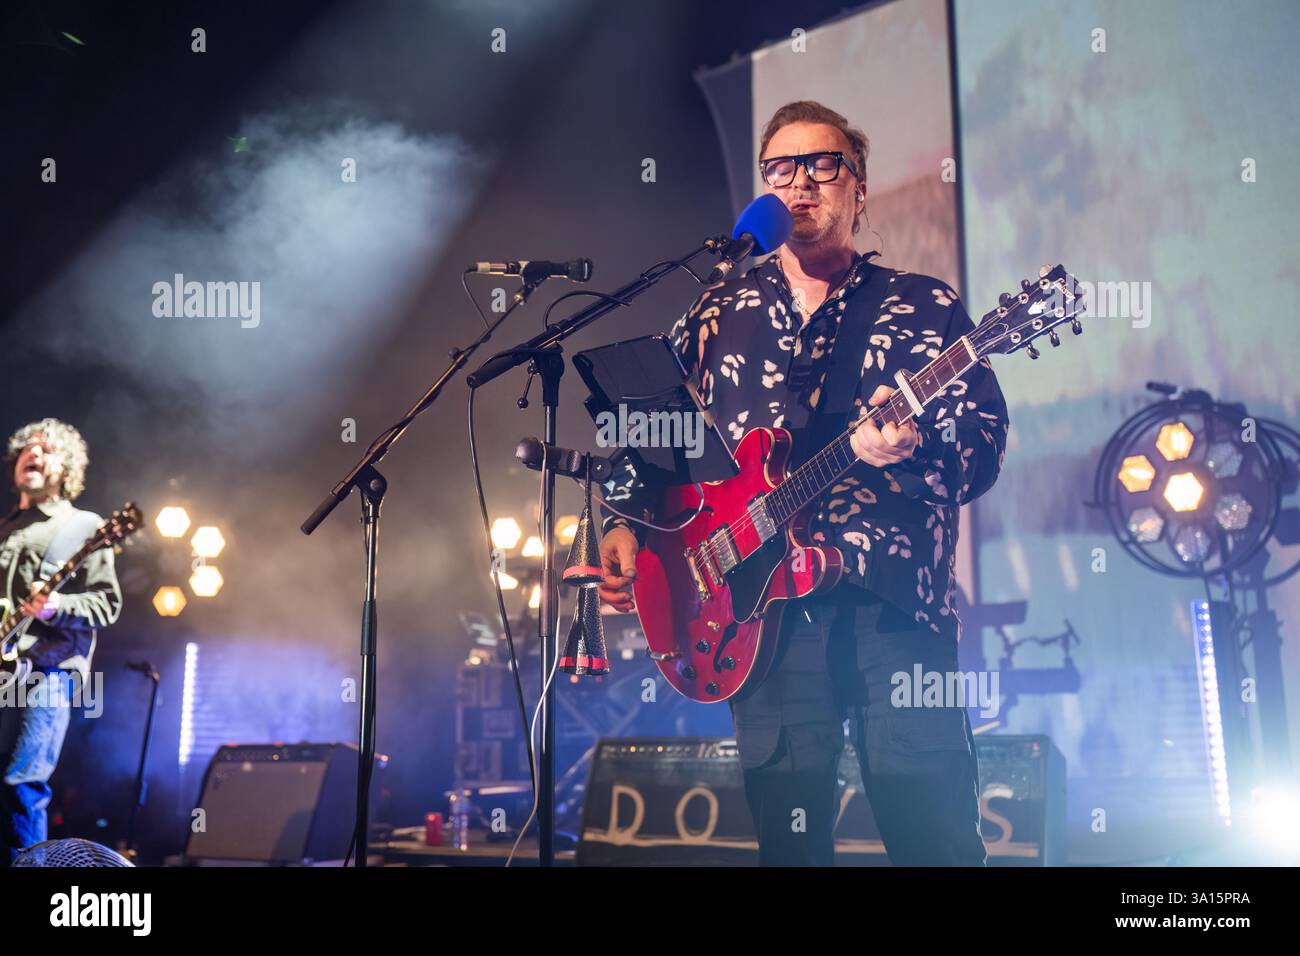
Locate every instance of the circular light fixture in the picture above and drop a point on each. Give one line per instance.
(1137, 473)
(1184, 492)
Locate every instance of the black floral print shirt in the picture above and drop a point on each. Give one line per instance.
(897, 527)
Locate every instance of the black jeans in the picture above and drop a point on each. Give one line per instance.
(918, 763)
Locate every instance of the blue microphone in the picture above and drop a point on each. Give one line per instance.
(763, 227)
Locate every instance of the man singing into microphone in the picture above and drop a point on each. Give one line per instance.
(761, 344)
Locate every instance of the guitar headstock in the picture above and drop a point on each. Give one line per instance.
(119, 527)
(1036, 310)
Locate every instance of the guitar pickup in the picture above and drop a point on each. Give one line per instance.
(722, 549)
(762, 521)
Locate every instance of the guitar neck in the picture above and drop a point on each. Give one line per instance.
(15, 619)
(827, 466)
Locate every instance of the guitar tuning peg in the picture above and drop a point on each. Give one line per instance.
(1033, 352)
(1026, 285)
(1054, 338)
(1076, 327)
(1043, 270)
(1004, 299)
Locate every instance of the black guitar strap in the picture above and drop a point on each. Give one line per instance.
(840, 387)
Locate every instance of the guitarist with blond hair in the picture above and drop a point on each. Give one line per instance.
(764, 345)
(48, 462)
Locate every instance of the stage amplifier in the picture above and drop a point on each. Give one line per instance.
(680, 801)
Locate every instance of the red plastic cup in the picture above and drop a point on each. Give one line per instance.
(433, 829)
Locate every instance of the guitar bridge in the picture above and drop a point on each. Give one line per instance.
(701, 587)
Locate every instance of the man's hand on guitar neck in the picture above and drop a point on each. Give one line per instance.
(887, 446)
(43, 606)
(618, 550)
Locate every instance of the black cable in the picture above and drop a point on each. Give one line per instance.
(464, 284)
(501, 603)
(674, 263)
(546, 317)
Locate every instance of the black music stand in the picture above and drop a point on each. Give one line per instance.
(645, 375)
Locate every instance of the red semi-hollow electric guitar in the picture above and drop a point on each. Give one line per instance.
(710, 595)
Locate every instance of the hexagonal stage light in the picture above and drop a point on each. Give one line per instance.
(1232, 511)
(1193, 544)
(207, 541)
(1223, 458)
(1187, 457)
(206, 581)
(1137, 473)
(172, 521)
(169, 601)
(506, 533)
(1184, 492)
(1175, 441)
(1146, 525)
(566, 528)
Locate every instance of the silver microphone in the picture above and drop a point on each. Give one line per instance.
(577, 270)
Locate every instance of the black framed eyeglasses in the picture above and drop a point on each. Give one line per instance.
(778, 171)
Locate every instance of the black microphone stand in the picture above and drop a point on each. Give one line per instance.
(547, 356)
(141, 787)
(371, 486)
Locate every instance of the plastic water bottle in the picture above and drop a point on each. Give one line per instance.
(458, 811)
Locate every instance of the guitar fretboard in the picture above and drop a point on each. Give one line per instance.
(826, 467)
(14, 618)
